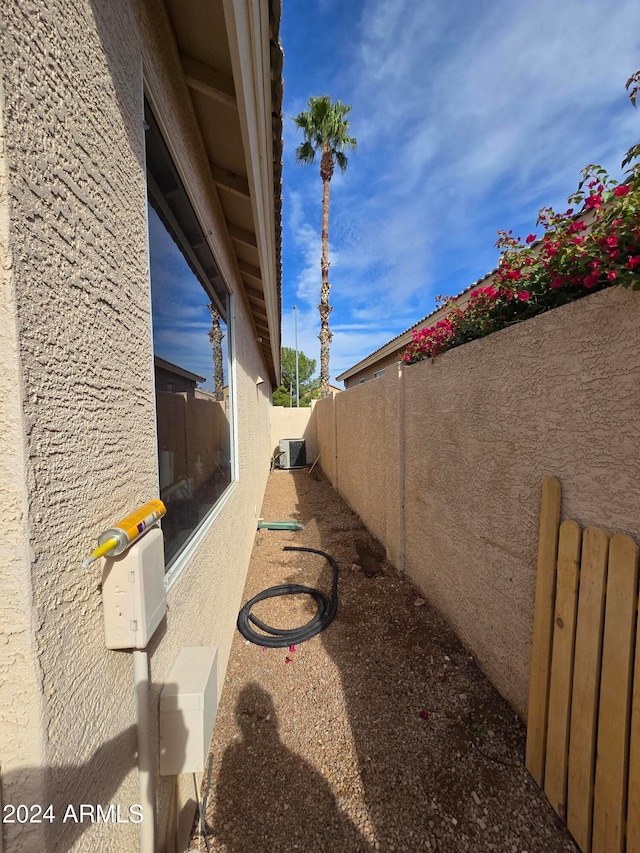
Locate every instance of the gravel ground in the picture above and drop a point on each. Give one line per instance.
(381, 733)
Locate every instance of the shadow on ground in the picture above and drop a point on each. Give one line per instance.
(438, 753)
(289, 805)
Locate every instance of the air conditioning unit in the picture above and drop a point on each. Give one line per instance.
(292, 453)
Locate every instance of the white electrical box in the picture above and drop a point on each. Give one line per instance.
(133, 593)
(188, 704)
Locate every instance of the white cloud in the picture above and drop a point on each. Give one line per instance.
(468, 117)
(520, 89)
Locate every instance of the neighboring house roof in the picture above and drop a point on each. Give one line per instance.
(240, 118)
(404, 338)
(179, 371)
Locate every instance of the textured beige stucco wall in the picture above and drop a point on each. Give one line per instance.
(557, 395)
(367, 453)
(294, 423)
(324, 416)
(20, 700)
(360, 440)
(484, 424)
(77, 392)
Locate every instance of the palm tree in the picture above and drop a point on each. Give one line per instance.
(326, 130)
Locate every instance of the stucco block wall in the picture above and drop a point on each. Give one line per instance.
(293, 422)
(484, 424)
(324, 418)
(360, 441)
(76, 393)
(367, 439)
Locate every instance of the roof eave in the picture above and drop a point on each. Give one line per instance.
(251, 45)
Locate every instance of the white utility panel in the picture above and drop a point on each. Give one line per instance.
(188, 705)
(133, 593)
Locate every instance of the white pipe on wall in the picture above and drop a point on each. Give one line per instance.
(145, 774)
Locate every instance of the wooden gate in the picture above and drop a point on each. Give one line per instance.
(583, 730)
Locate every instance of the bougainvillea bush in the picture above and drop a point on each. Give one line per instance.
(594, 244)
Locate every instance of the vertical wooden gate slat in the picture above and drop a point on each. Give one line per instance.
(543, 628)
(555, 773)
(586, 685)
(633, 808)
(610, 793)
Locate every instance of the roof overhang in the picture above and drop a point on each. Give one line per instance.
(231, 60)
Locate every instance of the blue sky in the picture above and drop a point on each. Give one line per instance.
(469, 116)
(181, 318)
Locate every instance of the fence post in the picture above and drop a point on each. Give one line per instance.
(334, 409)
(401, 470)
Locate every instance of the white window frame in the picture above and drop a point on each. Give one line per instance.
(179, 562)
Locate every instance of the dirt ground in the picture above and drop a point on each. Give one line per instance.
(381, 733)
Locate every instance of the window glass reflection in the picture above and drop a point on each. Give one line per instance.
(191, 356)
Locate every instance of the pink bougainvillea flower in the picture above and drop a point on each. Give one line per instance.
(287, 659)
(424, 715)
(292, 648)
(264, 648)
(572, 255)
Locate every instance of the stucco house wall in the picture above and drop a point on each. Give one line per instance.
(77, 448)
(385, 363)
(478, 430)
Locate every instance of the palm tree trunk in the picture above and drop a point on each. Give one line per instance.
(326, 170)
(215, 337)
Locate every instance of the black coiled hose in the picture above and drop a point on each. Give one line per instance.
(277, 638)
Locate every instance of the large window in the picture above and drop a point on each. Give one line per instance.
(190, 311)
